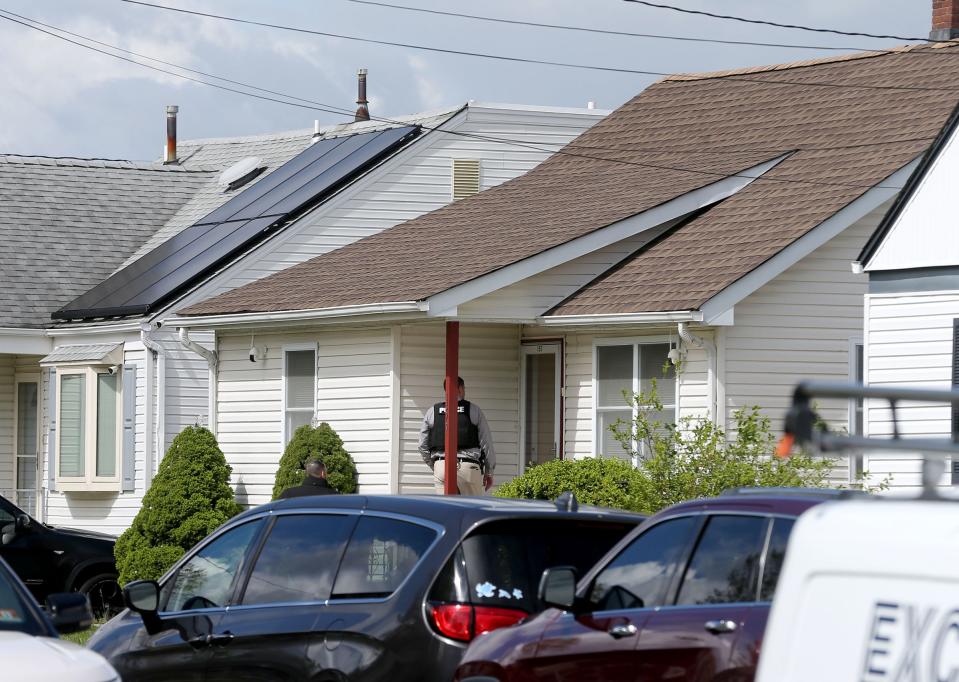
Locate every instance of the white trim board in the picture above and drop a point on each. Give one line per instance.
(716, 306)
(445, 303)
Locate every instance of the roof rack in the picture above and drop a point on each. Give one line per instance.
(804, 427)
(828, 493)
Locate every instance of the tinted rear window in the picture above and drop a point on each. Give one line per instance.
(500, 564)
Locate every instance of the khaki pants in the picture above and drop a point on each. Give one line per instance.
(469, 478)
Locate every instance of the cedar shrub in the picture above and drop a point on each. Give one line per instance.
(324, 444)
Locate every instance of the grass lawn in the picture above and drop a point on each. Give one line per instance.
(82, 636)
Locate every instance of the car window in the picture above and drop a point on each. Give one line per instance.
(15, 614)
(725, 564)
(299, 559)
(639, 576)
(500, 564)
(206, 579)
(381, 553)
(774, 556)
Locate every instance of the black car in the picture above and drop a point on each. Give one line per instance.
(350, 587)
(49, 559)
(19, 611)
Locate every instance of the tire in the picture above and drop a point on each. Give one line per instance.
(106, 598)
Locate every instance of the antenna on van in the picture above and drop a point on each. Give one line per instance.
(804, 428)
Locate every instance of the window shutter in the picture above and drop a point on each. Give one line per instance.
(129, 426)
(466, 178)
(52, 434)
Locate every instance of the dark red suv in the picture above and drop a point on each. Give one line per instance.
(684, 598)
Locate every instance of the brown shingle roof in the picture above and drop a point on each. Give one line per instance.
(678, 135)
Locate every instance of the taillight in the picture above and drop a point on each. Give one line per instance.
(464, 622)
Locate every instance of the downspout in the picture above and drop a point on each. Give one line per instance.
(153, 445)
(691, 339)
(211, 360)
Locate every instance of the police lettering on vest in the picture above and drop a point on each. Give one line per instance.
(468, 432)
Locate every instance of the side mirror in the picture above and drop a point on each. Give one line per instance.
(69, 611)
(23, 523)
(557, 587)
(143, 597)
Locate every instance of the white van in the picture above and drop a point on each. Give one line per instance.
(869, 590)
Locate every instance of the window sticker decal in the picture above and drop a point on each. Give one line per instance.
(486, 589)
(517, 594)
(503, 594)
(10, 616)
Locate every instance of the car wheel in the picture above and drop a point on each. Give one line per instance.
(106, 598)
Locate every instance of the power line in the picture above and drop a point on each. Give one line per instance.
(762, 22)
(518, 22)
(517, 143)
(859, 86)
(409, 46)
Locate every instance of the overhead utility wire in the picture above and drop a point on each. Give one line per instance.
(798, 27)
(584, 29)
(854, 86)
(334, 109)
(564, 152)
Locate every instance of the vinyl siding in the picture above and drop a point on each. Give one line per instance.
(908, 343)
(489, 364)
(352, 395)
(799, 326)
(186, 384)
(415, 181)
(7, 398)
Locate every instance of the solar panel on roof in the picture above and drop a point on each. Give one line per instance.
(233, 228)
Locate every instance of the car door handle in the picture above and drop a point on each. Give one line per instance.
(622, 630)
(199, 641)
(221, 639)
(718, 627)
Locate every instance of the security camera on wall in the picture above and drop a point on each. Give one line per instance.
(114, 369)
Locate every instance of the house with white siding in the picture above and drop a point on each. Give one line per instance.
(911, 329)
(715, 214)
(93, 384)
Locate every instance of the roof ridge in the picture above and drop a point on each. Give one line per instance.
(802, 63)
(79, 162)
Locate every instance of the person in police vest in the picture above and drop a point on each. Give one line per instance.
(475, 457)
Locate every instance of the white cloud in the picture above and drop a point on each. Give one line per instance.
(429, 90)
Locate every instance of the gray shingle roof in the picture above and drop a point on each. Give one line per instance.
(66, 224)
(96, 352)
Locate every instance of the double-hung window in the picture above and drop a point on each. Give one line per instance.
(299, 394)
(89, 428)
(623, 368)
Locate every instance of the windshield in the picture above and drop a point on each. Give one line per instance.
(15, 613)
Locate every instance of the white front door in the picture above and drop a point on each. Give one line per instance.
(540, 422)
(27, 441)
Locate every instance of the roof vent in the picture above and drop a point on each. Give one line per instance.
(466, 178)
(241, 173)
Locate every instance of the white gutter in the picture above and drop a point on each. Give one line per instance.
(211, 360)
(154, 450)
(83, 329)
(239, 319)
(711, 362)
(623, 318)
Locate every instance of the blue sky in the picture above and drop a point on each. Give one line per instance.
(61, 100)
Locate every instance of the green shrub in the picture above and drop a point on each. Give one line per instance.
(603, 482)
(189, 498)
(323, 443)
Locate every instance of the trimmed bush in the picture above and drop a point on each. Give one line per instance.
(602, 482)
(323, 443)
(189, 498)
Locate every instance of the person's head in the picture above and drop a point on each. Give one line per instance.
(316, 469)
(460, 386)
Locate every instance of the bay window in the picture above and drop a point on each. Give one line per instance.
(621, 369)
(89, 429)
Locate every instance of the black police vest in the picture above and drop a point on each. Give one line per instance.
(468, 431)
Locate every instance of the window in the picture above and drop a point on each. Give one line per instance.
(89, 428)
(639, 576)
(206, 579)
(299, 390)
(775, 555)
(725, 564)
(382, 553)
(299, 559)
(629, 368)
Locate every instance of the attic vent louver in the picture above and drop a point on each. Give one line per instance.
(466, 178)
(241, 173)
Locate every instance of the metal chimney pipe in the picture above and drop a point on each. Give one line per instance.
(170, 155)
(363, 109)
